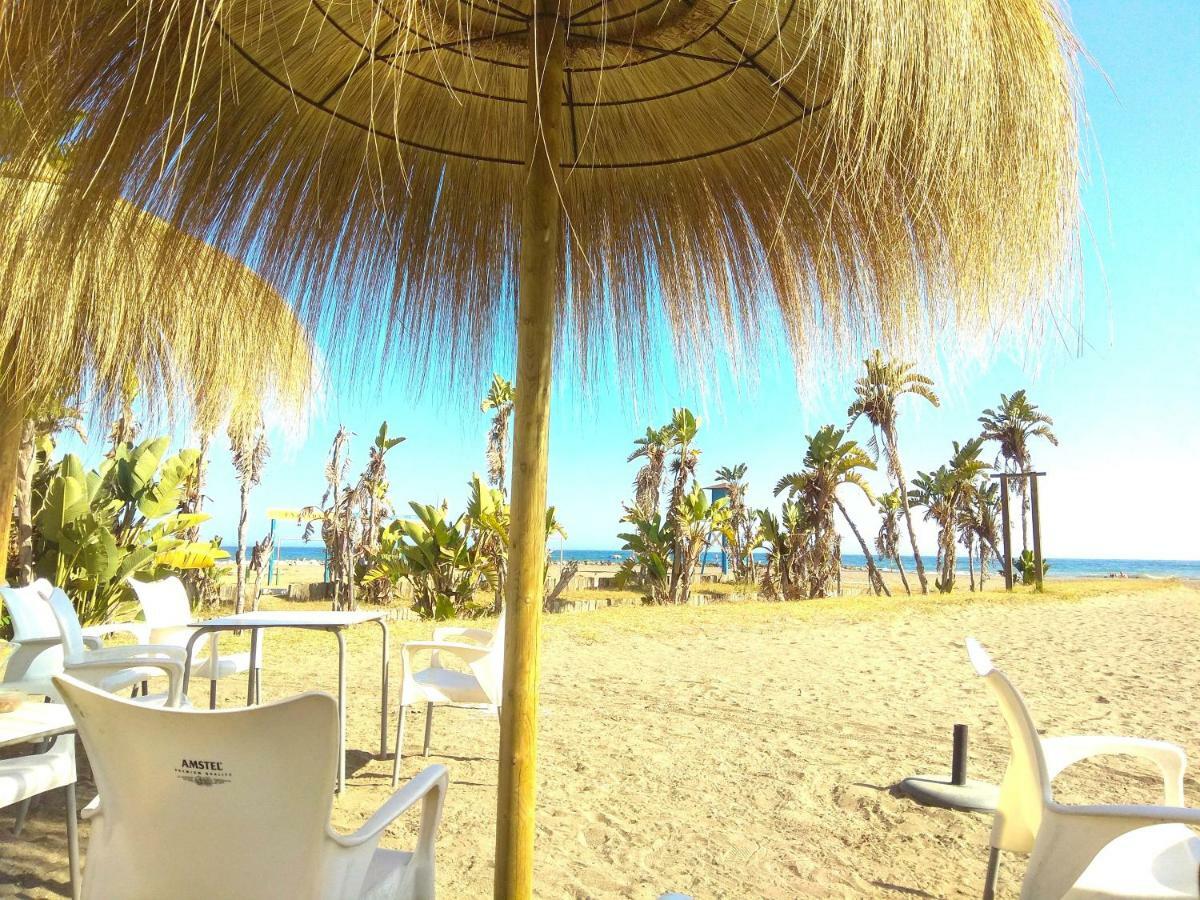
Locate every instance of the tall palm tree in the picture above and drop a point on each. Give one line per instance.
(681, 440)
(248, 446)
(1013, 424)
(741, 523)
(877, 392)
(500, 397)
(887, 542)
(647, 484)
(831, 462)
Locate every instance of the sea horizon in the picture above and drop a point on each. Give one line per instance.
(1060, 566)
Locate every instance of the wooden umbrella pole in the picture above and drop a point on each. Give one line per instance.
(541, 265)
(12, 419)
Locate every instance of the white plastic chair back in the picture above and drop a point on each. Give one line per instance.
(67, 621)
(38, 653)
(1026, 784)
(490, 669)
(166, 609)
(232, 803)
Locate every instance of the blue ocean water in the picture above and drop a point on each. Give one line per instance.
(1060, 567)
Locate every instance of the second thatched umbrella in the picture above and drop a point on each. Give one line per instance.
(841, 171)
(203, 332)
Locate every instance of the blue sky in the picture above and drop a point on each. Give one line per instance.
(1123, 482)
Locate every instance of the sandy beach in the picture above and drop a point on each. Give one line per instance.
(751, 749)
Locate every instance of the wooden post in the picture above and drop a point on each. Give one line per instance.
(1037, 529)
(1006, 527)
(12, 420)
(541, 265)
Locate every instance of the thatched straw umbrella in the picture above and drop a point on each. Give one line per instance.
(841, 171)
(202, 332)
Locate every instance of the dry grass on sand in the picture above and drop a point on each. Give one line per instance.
(750, 749)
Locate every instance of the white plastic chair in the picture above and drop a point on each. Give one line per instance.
(479, 687)
(25, 777)
(1087, 851)
(36, 655)
(235, 803)
(168, 615)
(115, 668)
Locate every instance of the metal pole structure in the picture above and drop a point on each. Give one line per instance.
(540, 266)
(958, 764)
(1037, 528)
(1006, 527)
(274, 555)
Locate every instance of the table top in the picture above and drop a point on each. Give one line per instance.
(294, 619)
(32, 721)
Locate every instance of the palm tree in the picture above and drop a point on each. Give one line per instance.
(943, 493)
(500, 397)
(1012, 424)
(248, 446)
(887, 542)
(885, 383)
(981, 523)
(681, 438)
(830, 463)
(648, 482)
(741, 525)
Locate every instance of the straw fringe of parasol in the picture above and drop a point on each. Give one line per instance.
(202, 333)
(866, 173)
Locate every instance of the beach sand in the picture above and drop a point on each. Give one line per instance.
(750, 749)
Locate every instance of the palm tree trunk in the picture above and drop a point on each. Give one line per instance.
(971, 566)
(903, 577)
(239, 597)
(872, 573)
(1024, 516)
(894, 455)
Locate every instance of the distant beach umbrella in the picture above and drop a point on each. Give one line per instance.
(202, 332)
(421, 173)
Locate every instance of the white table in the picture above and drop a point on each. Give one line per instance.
(335, 622)
(34, 722)
(40, 721)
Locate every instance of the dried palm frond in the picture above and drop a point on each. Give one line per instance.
(855, 171)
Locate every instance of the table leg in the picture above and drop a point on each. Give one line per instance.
(213, 658)
(187, 663)
(383, 687)
(250, 698)
(341, 777)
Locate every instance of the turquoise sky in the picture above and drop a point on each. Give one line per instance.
(1123, 482)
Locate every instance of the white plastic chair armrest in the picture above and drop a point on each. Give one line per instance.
(44, 643)
(467, 652)
(139, 630)
(478, 635)
(1171, 759)
(113, 660)
(135, 651)
(429, 784)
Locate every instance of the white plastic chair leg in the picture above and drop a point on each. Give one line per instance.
(22, 813)
(993, 870)
(73, 842)
(428, 726)
(399, 748)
